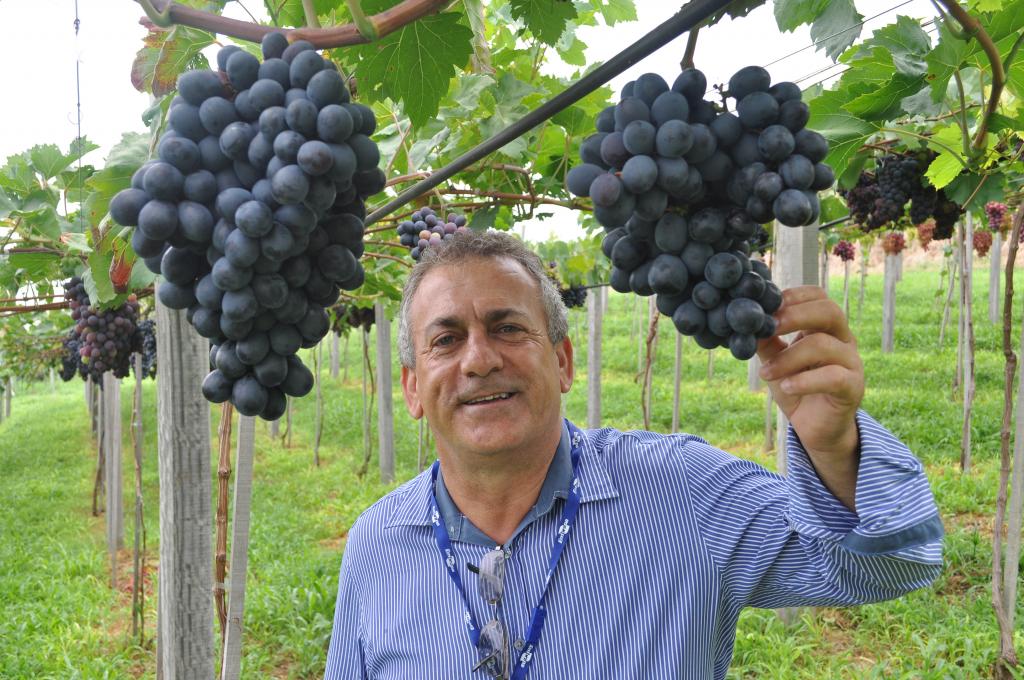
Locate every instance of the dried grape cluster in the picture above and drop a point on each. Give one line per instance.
(880, 198)
(253, 213)
(682, 189)
(105, 338)
(845, 251)
(146, 346)
(424, 228)
(893, 243)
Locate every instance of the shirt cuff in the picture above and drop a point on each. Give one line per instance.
(895, 507)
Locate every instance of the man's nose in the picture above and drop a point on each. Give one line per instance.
(481, 356)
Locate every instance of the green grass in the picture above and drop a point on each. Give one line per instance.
(59, 618)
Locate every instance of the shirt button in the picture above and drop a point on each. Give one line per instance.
(518, 644)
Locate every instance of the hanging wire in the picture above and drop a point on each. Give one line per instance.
(829, 37)
(78, 105)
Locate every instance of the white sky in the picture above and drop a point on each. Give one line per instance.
(38, 77)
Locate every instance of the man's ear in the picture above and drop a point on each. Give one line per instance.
(409, 391)
(566, 367)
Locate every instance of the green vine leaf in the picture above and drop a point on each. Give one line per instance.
(832, 30)
(789, 14)
(907, 44)
(414, 65)
(845, 132)
(165, 55)
(546, 19)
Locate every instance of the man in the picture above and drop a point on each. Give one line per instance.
(533, 549)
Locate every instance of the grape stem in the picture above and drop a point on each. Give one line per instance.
(310, 11)
(364, 24)
(973, 29)
(161, 18)
(384, 23)
(384, 256)
(691, 47)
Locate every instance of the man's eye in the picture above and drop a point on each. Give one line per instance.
(508, 328)
(444, 340)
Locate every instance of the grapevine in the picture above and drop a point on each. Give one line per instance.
(253, 213)
(348, 317)
(996, 213)
(146, 346)
(982, 242)
(925, 233)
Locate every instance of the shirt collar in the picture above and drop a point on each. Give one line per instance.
(413, 509)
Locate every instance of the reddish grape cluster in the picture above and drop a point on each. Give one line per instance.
(925, 233)
(996, 213)
(845, 251)
(572, 296)
(107, 337)
(894, 243)
(424, 229)
(982, 242)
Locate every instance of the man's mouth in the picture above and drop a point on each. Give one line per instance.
(497, 396)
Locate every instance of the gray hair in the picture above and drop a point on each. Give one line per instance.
(469, 245)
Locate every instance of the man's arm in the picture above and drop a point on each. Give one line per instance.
(790, 542)
(818, 382)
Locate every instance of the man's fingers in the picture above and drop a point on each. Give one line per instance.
(809, 352)
(813, 316)
(768, 348)
(833, 380)
(800, 294)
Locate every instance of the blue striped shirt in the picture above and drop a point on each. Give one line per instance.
(674, 537)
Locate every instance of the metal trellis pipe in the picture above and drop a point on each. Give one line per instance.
(690, 15)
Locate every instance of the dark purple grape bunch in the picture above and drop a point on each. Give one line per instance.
(682, 188)
(253, 213)
(71, 358)
(880, 199)
(106, 338)
(424, 229)
(349, 317)
(146, 346)
(845, 251)
(574, 296)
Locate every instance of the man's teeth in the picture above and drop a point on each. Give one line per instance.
(500, 395)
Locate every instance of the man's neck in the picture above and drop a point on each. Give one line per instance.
(496, 497)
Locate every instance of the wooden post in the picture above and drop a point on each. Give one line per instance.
(865, 256)
(318, 360)
(231, 666)
(7, 397)
(1015, 507)
(101, 453)
(139, 529)
(678, 375)
(651, 344)
(53, 379)
(112, 470)
(995, 259)
(892, 267)
(823, 267)
(846, 289)
(954, 268)
(185, 603)
(967, 312)
(335, 355)
(595, 322)
(753, 377)
(275, 428)
(796, 264)
(385, 408)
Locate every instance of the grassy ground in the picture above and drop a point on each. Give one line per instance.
(59, 617)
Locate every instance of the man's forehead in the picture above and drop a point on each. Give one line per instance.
(479, 286)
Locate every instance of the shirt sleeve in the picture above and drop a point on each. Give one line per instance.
(345, 657)
(787, 541)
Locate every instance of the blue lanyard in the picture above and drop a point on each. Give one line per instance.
(565, 525)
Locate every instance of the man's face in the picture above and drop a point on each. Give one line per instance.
(479, 331)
